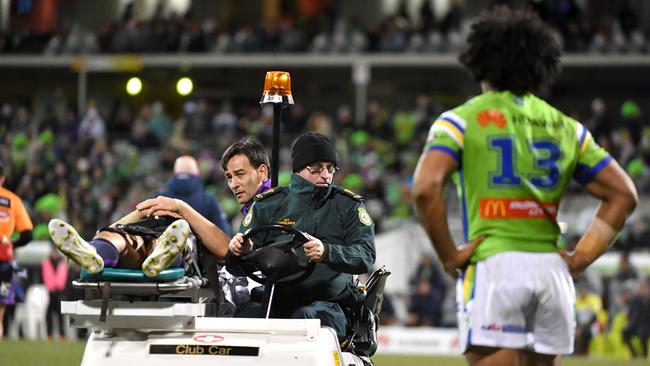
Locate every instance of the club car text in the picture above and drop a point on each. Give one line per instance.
(200, 349)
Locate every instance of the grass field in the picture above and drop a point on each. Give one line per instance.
(26, 353)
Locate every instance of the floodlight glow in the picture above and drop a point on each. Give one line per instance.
(184, 86)
(134, 86)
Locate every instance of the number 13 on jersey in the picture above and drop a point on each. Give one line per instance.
(544, 172)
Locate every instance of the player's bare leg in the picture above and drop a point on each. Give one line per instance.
(538, 359)
(491, 356)
(2, 316)
(131, 254)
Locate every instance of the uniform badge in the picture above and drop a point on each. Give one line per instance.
(248, 218)
(287, 221)
(364, 217)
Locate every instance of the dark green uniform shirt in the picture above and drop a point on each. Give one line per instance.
(332, 214)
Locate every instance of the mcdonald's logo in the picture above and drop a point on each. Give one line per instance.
(491, 208)
(513, 208)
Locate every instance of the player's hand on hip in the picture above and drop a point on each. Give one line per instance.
(238, 246)
(464, 253)
(314, 248)
(574, 263)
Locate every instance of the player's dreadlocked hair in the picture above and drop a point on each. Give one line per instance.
(512, 50)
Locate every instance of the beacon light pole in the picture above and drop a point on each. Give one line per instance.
(277, 91)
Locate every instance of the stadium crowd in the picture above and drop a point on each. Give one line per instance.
(324, 27)
(94, 168)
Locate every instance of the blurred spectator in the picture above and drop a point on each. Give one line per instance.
(626, 271)
(589, 315)
(452, 20)
(387, 314)
(619, 303)
(186, 185)
(638, 236)
(225, 120)
(428, 19)
(638, 320)
(160, 123)
(425, 305)
(627, 18)
(632, 121)
(47, 207)
(404, 125)
(54, 273)
(142, 137)
(600, 123)
(617, 292)
(92, 126)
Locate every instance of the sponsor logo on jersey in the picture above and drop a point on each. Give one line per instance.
(493, 208)
(508, 208)
(506, 328)
(487, 116)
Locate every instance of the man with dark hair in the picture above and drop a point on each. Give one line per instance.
(246, 167)
(13, 218)
(340, 232)
(512, 157)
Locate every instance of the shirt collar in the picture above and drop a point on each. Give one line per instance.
(263, 188)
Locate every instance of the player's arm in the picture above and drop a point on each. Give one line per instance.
(431, 174)
(24, 225)
(618, 198)
(23, 239)
(131, 217)
(210, 234)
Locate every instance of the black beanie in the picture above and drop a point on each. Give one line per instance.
(310, 148)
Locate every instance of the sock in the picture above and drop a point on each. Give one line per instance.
(178, 261)
(107, 251)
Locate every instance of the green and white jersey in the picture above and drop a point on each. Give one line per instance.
(516, 156)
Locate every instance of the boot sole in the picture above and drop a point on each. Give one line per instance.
(170, 244)
(66, 238)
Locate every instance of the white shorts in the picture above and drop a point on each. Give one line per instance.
(517, 300)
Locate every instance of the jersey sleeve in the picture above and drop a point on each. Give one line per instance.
(447, 133)
(591, 157)
(23, 222)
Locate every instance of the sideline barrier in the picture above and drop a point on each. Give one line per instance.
(418, 341)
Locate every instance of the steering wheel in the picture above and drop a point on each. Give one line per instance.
(281, 262)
